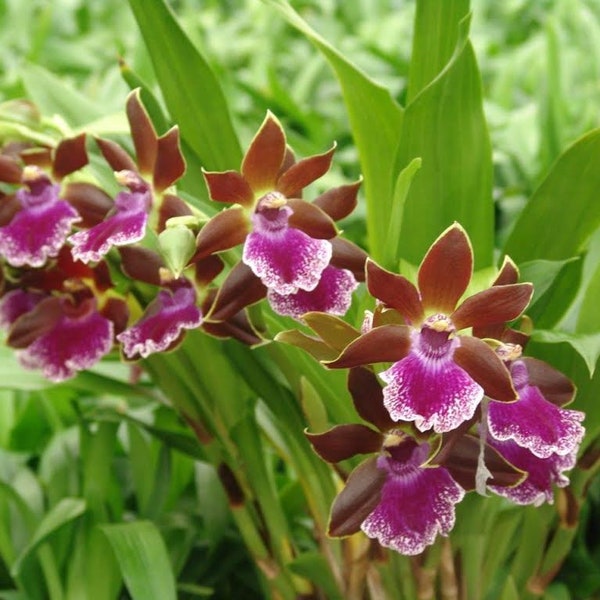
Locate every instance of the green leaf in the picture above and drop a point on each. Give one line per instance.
(392, 249)
(542, 274)
(67, 510)
(191, 90)
(375, 118)
(586, 345)
(446, 127)
(143, 559)
(436, 34)
(54, 97)
(212, 501)
(567, 199)
(15, 377)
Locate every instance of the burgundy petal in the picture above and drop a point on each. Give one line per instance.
(170, 164)
(497, 304)
(347, 255)
(91, 202)
(462, 463)
(434, 393)
(70, 155)
(333, 295)
(143, 133)
(35, 323)
(446, 270)
(509, 273)
(357, 500)
(171, 206)
(555, 387)
(10, 170)
(16, 303)
(367, 396)
(340, 201)
(395, 291)
(207, 269)
(238, 327)
(416, 505)
(304, 172)
(311, 219)
(225, 230)
(115, 156)
(141, 264)
(263, 158)
(345, 441)
(241, 288)
(484, 366)
(229, 186)
(383, 344)
(163, 321)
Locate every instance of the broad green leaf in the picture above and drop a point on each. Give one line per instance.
(15, 377)
(54, 97)
(436, 33)
(445, 126)
(392, 250)
(66, 511)
(375, 119)
(191, 91)
(586, 345)
(564, 211)
(542, 274)
(143, 559)
(588, 319)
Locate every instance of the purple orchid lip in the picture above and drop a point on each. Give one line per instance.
(38, 231)
(163, 322)
(416, 503)
(333, 295)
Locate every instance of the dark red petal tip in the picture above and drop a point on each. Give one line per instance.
(340, 201)
(395, 291)
(225, 230)
(357, 500)
(345, 441)
(367, 395)
(170, 164)
(446, 270)
(388, 343)
(143, 133)
(228, 186)
(70, 156)
(304, 172)
(115, 156)
(263, 158)
(555, 387)
(311, 219)
(486, 368)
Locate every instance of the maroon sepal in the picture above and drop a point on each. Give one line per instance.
(115, 156)
(70, 156)
(207, 269)
(462, 462)
(389, 343)
(367, 395)
(346, 255)
(143, 133)
(117, 311)
(446, 270)
(340, 201)
(170, 164)
(39, 157)
(229, 186)
(10, 170)
(240, 289)
(555, 387)
(141, 264)
(30, 326)
(91, 202)
(9, 207)
(345, 441)
(304, 172)
(486, 368)
(509, 273)
(357, 500)
(225, 230)
(171, 206)
(311, 219)
(395, 291)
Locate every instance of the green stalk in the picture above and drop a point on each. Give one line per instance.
(51, 575)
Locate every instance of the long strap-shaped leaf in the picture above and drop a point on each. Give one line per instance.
(191, 90)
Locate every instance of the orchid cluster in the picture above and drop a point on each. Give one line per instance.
(460, 410)
(83, 273)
